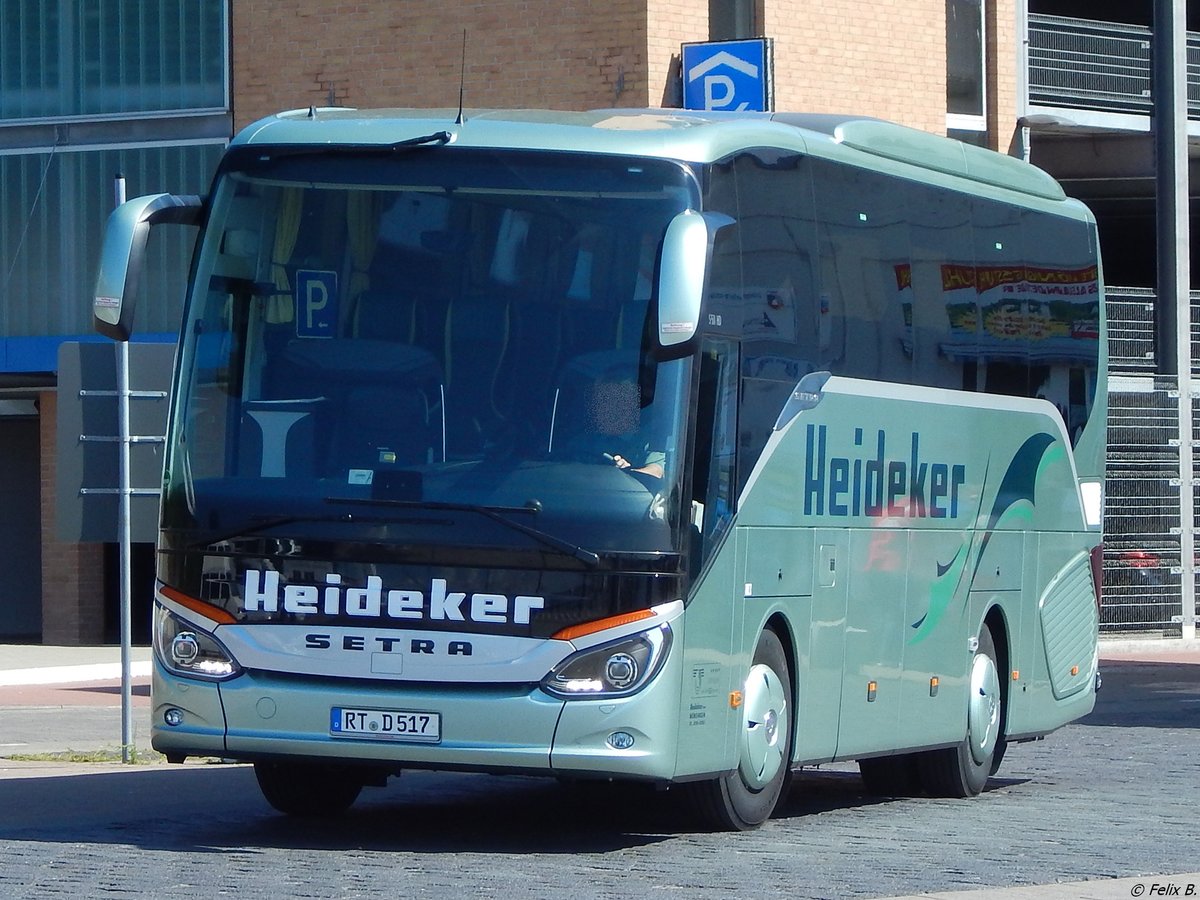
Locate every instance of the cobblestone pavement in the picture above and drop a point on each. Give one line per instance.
(1114, 796)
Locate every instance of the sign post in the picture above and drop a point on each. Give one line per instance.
(123, 528)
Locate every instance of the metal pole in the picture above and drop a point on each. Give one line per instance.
(1174, 266)
(123, 531)
(1023, 78)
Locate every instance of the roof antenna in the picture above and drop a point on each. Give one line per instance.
(462, 78)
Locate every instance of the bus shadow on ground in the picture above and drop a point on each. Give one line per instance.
(1147, 695)
(515, 815)
(161, 808)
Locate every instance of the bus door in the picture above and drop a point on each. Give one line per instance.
(708, 722)
(819, 698)
(876, 605)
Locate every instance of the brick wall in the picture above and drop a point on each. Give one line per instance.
(670, 24)
(557, 54)
(72, 574)
(1003, 39)
(886, 58)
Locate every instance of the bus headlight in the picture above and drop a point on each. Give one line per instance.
(187, 650)
(615, 669)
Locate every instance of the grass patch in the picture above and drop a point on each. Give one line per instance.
(138, 757)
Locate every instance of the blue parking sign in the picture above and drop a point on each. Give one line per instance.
(316, 303)
(728, 75)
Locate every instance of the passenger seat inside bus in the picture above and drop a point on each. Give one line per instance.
(476, 338)
(354, 404)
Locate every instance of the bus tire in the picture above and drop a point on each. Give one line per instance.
(963, 770)
(307, 790)
(746, 797)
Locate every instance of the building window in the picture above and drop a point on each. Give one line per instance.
(64, 59)
(52, 215)
(731, 19)
(965, 66)
(87, 90)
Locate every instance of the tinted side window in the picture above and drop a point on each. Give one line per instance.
(1062, 303)
(865, 266)
(763, 289)
(832, 267)
(940, 298)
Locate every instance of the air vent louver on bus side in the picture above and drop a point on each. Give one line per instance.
(1068, 615)
(930, 151)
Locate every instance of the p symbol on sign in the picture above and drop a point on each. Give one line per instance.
(317, 300)
(719, 91)
(316, 303)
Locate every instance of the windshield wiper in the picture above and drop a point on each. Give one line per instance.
(438, 137)
(255, 525)
(495, 513)
(435, 139)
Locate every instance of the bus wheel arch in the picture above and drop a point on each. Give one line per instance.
(745, 798)
(998, 626)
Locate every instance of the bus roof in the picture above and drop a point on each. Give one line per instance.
(687, 135)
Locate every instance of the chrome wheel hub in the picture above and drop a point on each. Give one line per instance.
(765, 717)
(983, 712)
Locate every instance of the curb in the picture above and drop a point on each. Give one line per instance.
(70, 674)
(1148, 649)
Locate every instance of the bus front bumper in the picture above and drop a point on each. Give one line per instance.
(510, 728)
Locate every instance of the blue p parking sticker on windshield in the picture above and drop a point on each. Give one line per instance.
(316, 303)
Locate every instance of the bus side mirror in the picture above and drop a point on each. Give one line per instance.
(123, 256)
(683, 274)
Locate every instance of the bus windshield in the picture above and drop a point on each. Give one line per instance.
(431, 346)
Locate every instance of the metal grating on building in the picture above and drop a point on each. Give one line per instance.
(1085, 64)
(1130, 329)
(1142, 520)
(1143, 567)
(1096, 65)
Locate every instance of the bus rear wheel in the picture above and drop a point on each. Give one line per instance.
(746, 797)
(962, 771)
(308, 789)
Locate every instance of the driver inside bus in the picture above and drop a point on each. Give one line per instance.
(619, 426)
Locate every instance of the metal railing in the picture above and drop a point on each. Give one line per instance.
(1143, 571)
(1130, 329)
(1142, 586)
(1106, 66)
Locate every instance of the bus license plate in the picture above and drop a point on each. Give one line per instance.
(386, 724)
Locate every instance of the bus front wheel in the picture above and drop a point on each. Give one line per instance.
(962, 771)
(307, 790)
(746, 797)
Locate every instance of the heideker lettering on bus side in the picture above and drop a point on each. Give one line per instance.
(261, 593)
(876, 485)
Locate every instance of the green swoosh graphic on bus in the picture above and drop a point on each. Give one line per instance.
(941, 593)
(1015, 499)
(1017, 486)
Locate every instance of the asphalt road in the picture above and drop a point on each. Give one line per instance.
(1115, 795)
(41, 719)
